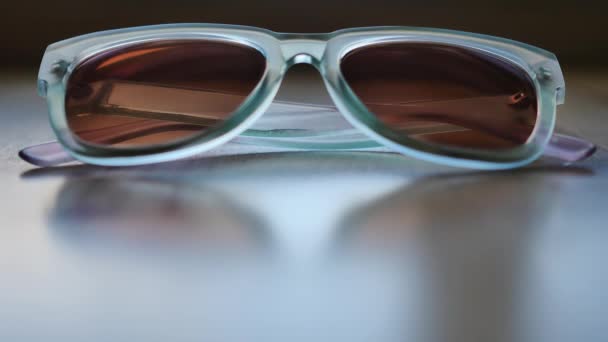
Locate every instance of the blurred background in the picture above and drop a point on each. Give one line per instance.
(575, 31)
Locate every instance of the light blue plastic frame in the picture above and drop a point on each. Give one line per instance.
(324, 52)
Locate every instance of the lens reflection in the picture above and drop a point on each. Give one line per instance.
(164, 217)
(444, 94)
(158, 92)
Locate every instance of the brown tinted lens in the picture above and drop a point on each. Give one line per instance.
(444, 94)
(159, 92)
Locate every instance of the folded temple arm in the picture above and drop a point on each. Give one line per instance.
(337, 135)
(140, 110)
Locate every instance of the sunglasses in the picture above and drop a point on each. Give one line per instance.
(160, 93)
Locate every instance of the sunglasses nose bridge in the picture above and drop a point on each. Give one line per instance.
(303, 51)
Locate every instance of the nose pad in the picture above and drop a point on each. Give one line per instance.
(303, 51)
(301, 58)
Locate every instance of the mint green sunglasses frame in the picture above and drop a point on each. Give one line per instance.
(282, 50)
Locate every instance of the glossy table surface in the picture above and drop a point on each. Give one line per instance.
(303, 246)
